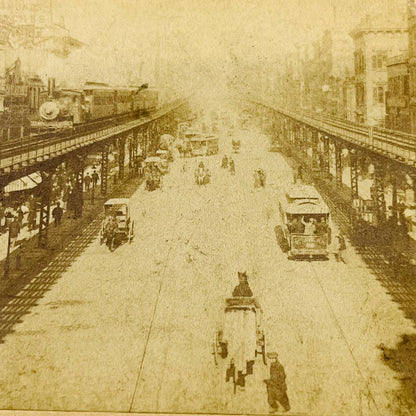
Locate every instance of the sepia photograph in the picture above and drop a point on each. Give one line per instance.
(207, 207)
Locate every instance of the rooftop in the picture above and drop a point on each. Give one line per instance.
(381, 23)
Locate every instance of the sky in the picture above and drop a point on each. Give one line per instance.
(201, 35)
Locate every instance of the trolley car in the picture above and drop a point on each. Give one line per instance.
(305, 218)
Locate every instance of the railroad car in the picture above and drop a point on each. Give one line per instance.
(61, 109)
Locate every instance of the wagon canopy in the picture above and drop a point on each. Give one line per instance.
(153, 159)
(307, 207)
(117, 201)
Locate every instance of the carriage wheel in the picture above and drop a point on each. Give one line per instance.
(263, 349)
(112, 244)
(214, 351)
(131, 232)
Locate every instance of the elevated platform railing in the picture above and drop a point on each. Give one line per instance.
(21, 152)
(393, 144)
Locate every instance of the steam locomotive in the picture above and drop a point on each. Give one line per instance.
(66, 108)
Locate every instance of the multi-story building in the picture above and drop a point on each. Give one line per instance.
(376, 38)
(28, 32)
(397, 96)
(330, 63)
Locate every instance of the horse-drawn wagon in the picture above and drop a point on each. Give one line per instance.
(202, 174)
(117, 226)
(240, 340)
(152, 172)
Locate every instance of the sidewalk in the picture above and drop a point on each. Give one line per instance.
(27, 259)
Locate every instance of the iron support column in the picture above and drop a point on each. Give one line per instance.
(338, 164)
(379, 192)
(326, 157)
(354, 174)
(79, 187)
(121, 156)
(104, 170)
(45, 207)
(314, 148)
(393, 179)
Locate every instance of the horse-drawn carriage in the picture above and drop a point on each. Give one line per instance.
(236, 145)
(202, 174)
(152, 172)
(240, 340)
(117, 226)
(163, 155)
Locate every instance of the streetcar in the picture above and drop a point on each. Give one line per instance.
(198, 144)
(305, 218)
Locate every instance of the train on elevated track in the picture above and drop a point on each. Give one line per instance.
(27, 106)
(65, 108)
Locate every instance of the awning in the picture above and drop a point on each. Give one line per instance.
(27, 182)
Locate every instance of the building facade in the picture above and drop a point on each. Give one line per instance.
(348, 109)
(323, 72)
(376, 39)
(397, 96)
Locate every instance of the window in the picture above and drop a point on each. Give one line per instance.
(378, 60)
(378, 95)
(359, 62)
(360, 95)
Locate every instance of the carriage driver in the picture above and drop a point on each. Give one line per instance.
(110, 223)
(243, 288)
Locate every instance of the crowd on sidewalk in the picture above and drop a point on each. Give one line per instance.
(22, 213)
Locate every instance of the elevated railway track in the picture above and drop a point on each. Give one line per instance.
(20, 155)
(394, 145)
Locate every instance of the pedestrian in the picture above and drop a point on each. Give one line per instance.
(340, 248)
(95, 178)
(232, 166)
(14, 230)
(57, 214)
(21, 212)
(224, 163)
(87, 181)
(276, 386)
(31, 219)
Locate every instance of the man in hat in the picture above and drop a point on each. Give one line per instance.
(243, 288)
(276, 385)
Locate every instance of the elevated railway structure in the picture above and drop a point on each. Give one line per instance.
(45, 152)
(326, 140)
